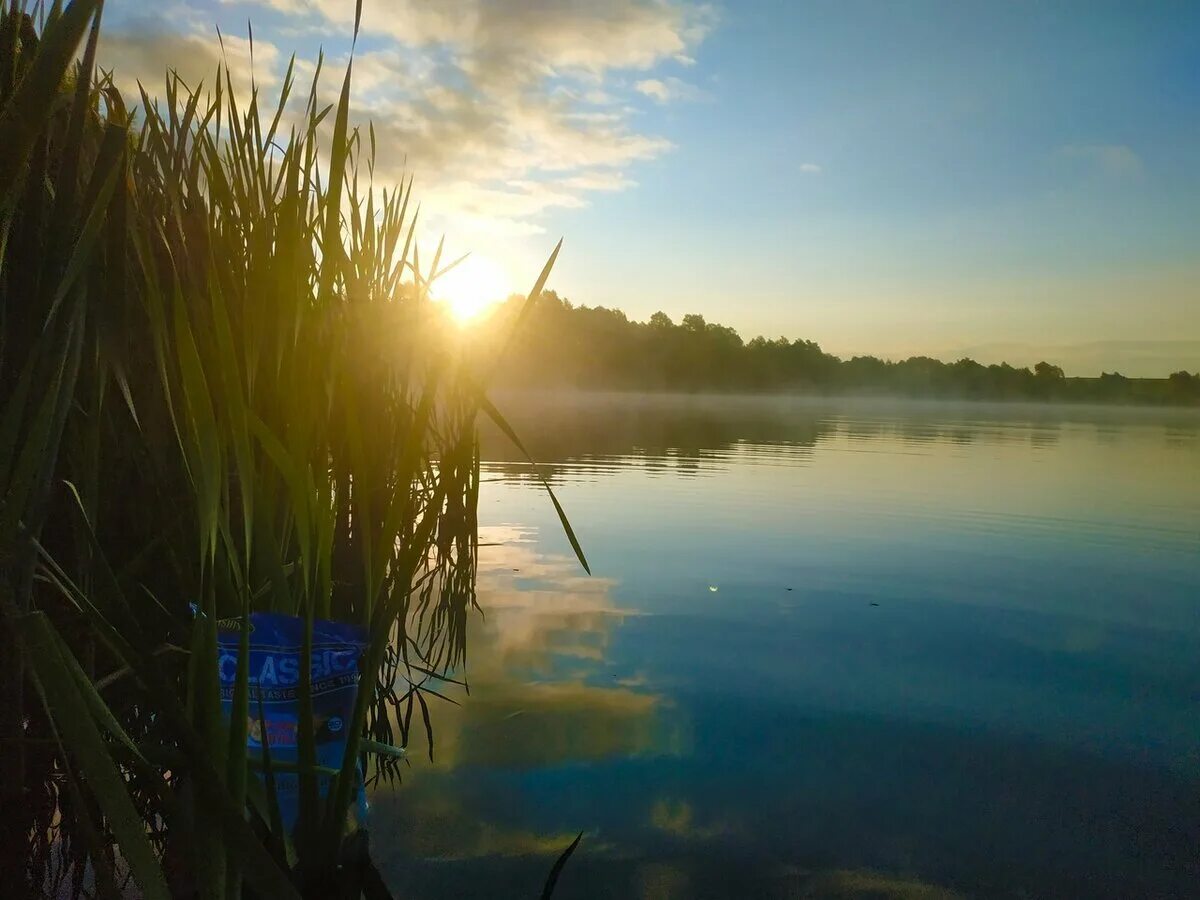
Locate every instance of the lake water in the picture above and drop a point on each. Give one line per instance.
(828, 649)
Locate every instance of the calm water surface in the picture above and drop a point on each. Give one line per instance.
(857, 649)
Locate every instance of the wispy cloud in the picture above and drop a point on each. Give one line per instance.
(669, 89)
(1111, 159)
(143, 53)
(503, 109)
(810, 168)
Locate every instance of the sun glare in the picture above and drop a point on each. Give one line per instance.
(472, 287)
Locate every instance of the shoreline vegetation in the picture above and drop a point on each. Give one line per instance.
(566, 345)
(224, 390)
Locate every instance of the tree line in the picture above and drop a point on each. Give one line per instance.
(566, 345)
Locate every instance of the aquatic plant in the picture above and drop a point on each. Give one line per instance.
(225, 390)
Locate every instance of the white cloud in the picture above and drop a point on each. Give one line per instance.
(810, 168)
(654, 88)
(1111, 159)
(504, 109)
(666, 90)
(144, 55)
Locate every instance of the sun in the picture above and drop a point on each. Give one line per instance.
(472, 287)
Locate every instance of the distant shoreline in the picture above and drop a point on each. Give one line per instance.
(569, 394)
(563, 345)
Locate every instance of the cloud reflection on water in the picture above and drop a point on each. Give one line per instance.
(541, 694)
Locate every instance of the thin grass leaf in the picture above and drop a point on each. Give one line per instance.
(104, 180)
(284, 765)
(74, 721)
(23, 117)
(380, 749)
(552, 879)
(494, 414)
(428, 725)
(41, 445)
(275, 817)
(98, 848)
(65, 196)
(99, 710)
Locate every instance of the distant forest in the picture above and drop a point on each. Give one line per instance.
(564, 345)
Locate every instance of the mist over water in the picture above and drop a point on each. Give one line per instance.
(828, 647)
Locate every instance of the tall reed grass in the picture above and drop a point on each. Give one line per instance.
(225, 388)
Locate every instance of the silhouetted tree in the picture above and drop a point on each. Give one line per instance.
(1184, 387)
(1048, 371)
(596, 347)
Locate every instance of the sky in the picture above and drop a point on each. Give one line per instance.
(1009, 180)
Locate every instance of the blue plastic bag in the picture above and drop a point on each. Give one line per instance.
(276, 648)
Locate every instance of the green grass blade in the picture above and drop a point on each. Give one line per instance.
(104, 180)
(24, 116)
(91, 696)
(10, 420)
(65, 195)
(380, 749)
(41, 444)
(552, 879)
(238, 732)
(428, 724)
(74, 721)
(494, 414)
(279, 837)
(331, 235)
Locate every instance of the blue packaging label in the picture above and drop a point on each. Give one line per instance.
(276, 650)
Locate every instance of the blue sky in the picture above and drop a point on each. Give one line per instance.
(885, 177)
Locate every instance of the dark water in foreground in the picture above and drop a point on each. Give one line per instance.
(856, 650)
